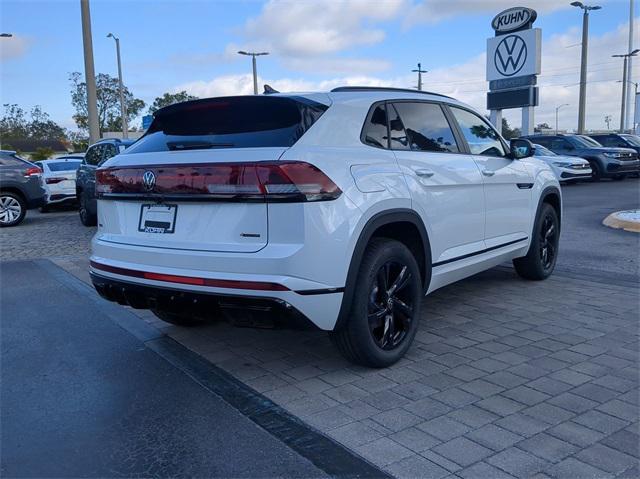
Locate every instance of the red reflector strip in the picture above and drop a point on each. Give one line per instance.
(170, 278)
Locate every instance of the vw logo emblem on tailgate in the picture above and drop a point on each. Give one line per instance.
(511, 55)
(149, 180)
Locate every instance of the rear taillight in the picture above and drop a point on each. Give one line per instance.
(53, 181)
(32, 171)
(288, 181)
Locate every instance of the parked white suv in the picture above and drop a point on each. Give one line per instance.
(336, 211)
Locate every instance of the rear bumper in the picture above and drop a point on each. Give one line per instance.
(60, 198)
(251, 311)
(317, 303)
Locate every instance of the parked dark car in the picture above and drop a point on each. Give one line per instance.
(606, 162)
(618, 140)
(97, 154)
(20, 188)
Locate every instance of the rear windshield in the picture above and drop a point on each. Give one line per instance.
(64, 165)
(230, 122)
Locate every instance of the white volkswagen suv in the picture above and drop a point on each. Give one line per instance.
(336, 211)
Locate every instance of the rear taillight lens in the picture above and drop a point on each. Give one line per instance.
(32, 171)
(53, 181)
(288, 181)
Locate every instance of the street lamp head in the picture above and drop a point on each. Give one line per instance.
(635, 52)
(577, 4)
(6, 35)
(242, 52)
(595, 7)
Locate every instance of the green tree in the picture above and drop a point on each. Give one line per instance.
(508, 132)
(108, 92)
(42, 153)
(42, 127)
(169, 99)
(15, 125)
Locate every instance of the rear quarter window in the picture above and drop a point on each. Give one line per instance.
(230, 122)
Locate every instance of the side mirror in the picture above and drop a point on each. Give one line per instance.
(521, 148)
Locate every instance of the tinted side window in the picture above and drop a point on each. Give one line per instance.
(109, 151)
(426, 126)
(546, 142)
(94, 155)
(612, 141)
(375, 132)
(397, 134)
(481, 137)
(10, 160)
(560, 144)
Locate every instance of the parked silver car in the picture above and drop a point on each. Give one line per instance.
(566, 168)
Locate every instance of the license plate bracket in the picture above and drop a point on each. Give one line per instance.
(158, 218)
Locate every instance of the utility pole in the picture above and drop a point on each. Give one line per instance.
(558, 108)
(583, 61)
(420, 71)
(629, 120)
(255, 69)
(123, 105)
(623, 112)
(89, 73)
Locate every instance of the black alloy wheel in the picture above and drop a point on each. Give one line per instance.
(391, 305)
(548, 241)
(384, 312)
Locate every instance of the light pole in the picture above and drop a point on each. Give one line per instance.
(558, 108)
(583, 61)
(623, 113)
(253, 56)
(123, 105)
(420, 71)
(89, 73)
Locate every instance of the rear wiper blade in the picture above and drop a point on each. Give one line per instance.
(196, 145)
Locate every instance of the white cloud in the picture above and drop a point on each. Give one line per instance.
(13, 47)
(433, 11)
(320, 27)
(466, 81)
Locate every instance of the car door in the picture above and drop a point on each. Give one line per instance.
(444, 182)
(86, 177)
(507, 182)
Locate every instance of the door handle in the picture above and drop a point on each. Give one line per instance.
(424, 173)
(488, 172)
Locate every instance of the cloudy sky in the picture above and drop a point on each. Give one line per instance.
(170, 45)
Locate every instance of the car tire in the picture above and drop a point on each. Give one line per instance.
(385, 310)
(86, 218)
(12, 209)
(541, 258)
(619, 177)
(596, 173)
(179, 319)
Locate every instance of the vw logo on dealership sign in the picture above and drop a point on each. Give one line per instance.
(148, 180)
(510, 55)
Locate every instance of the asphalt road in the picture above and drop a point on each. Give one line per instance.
(81, 397)
(586, 246)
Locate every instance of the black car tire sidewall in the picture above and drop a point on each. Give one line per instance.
(359, 323)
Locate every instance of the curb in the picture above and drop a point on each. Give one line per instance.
(614, 221)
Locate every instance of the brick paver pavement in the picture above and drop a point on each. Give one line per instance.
(507, 378)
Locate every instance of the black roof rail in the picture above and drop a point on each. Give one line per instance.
(384, 88)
